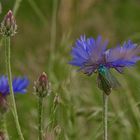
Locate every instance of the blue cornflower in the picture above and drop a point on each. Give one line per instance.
(19, 85)
(91, 55)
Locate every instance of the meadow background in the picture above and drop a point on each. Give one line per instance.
(46, 31)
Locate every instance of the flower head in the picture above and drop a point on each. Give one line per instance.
(8, 25)
(42, 85)
(91, 55)
(88, 54)
(19, 85)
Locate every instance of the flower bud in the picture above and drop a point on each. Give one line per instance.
(8, 25)
(42, 85)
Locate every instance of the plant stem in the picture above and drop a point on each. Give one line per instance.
(105, 109)
(12, 98)
(40, 112)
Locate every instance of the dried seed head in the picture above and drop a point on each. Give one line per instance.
(8, 25)
(42, 85)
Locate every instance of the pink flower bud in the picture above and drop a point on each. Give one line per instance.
(43, 80)
(8, 25)
(42, 85)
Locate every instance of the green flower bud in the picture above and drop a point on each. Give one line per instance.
(42, 85)
(8, 25)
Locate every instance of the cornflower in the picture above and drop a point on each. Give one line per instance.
(92, 56)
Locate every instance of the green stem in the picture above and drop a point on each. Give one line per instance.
(53, 113)
(40, 112)
(105, 109)
(12, 98)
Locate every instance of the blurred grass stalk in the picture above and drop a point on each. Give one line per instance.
(53, 27)
(16, 6)
(53, 34)
(1, 42)
(37, 11)
(4, 127)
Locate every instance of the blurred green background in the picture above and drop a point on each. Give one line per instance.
(46, 31)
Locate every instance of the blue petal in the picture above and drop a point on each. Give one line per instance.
(124, 56)
(19, 85)
(88, 52)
